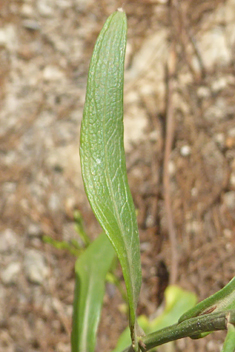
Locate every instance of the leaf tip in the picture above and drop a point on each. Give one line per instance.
(120, 9)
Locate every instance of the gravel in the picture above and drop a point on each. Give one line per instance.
(35, 267)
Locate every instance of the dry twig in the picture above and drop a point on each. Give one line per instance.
(166, 176)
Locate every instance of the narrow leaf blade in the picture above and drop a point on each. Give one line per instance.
(102, 153)
(90, 270)
(229, 343)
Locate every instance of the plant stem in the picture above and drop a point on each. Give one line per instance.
(188, 328)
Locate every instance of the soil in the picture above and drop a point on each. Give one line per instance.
(45, 47)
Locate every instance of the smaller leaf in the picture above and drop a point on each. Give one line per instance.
(229, 343)
(90, 269)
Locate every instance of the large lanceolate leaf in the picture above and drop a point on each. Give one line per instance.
(102, 153)
(90, 270)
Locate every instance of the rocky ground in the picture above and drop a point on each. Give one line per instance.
(45, 47)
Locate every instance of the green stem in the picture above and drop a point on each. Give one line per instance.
(79, 227)
(190, 327)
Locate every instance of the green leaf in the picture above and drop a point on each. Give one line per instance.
(102, 154)
(90, 270)
(177, 301)
(229, 343)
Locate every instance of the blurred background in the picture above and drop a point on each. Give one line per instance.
(180, 142)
